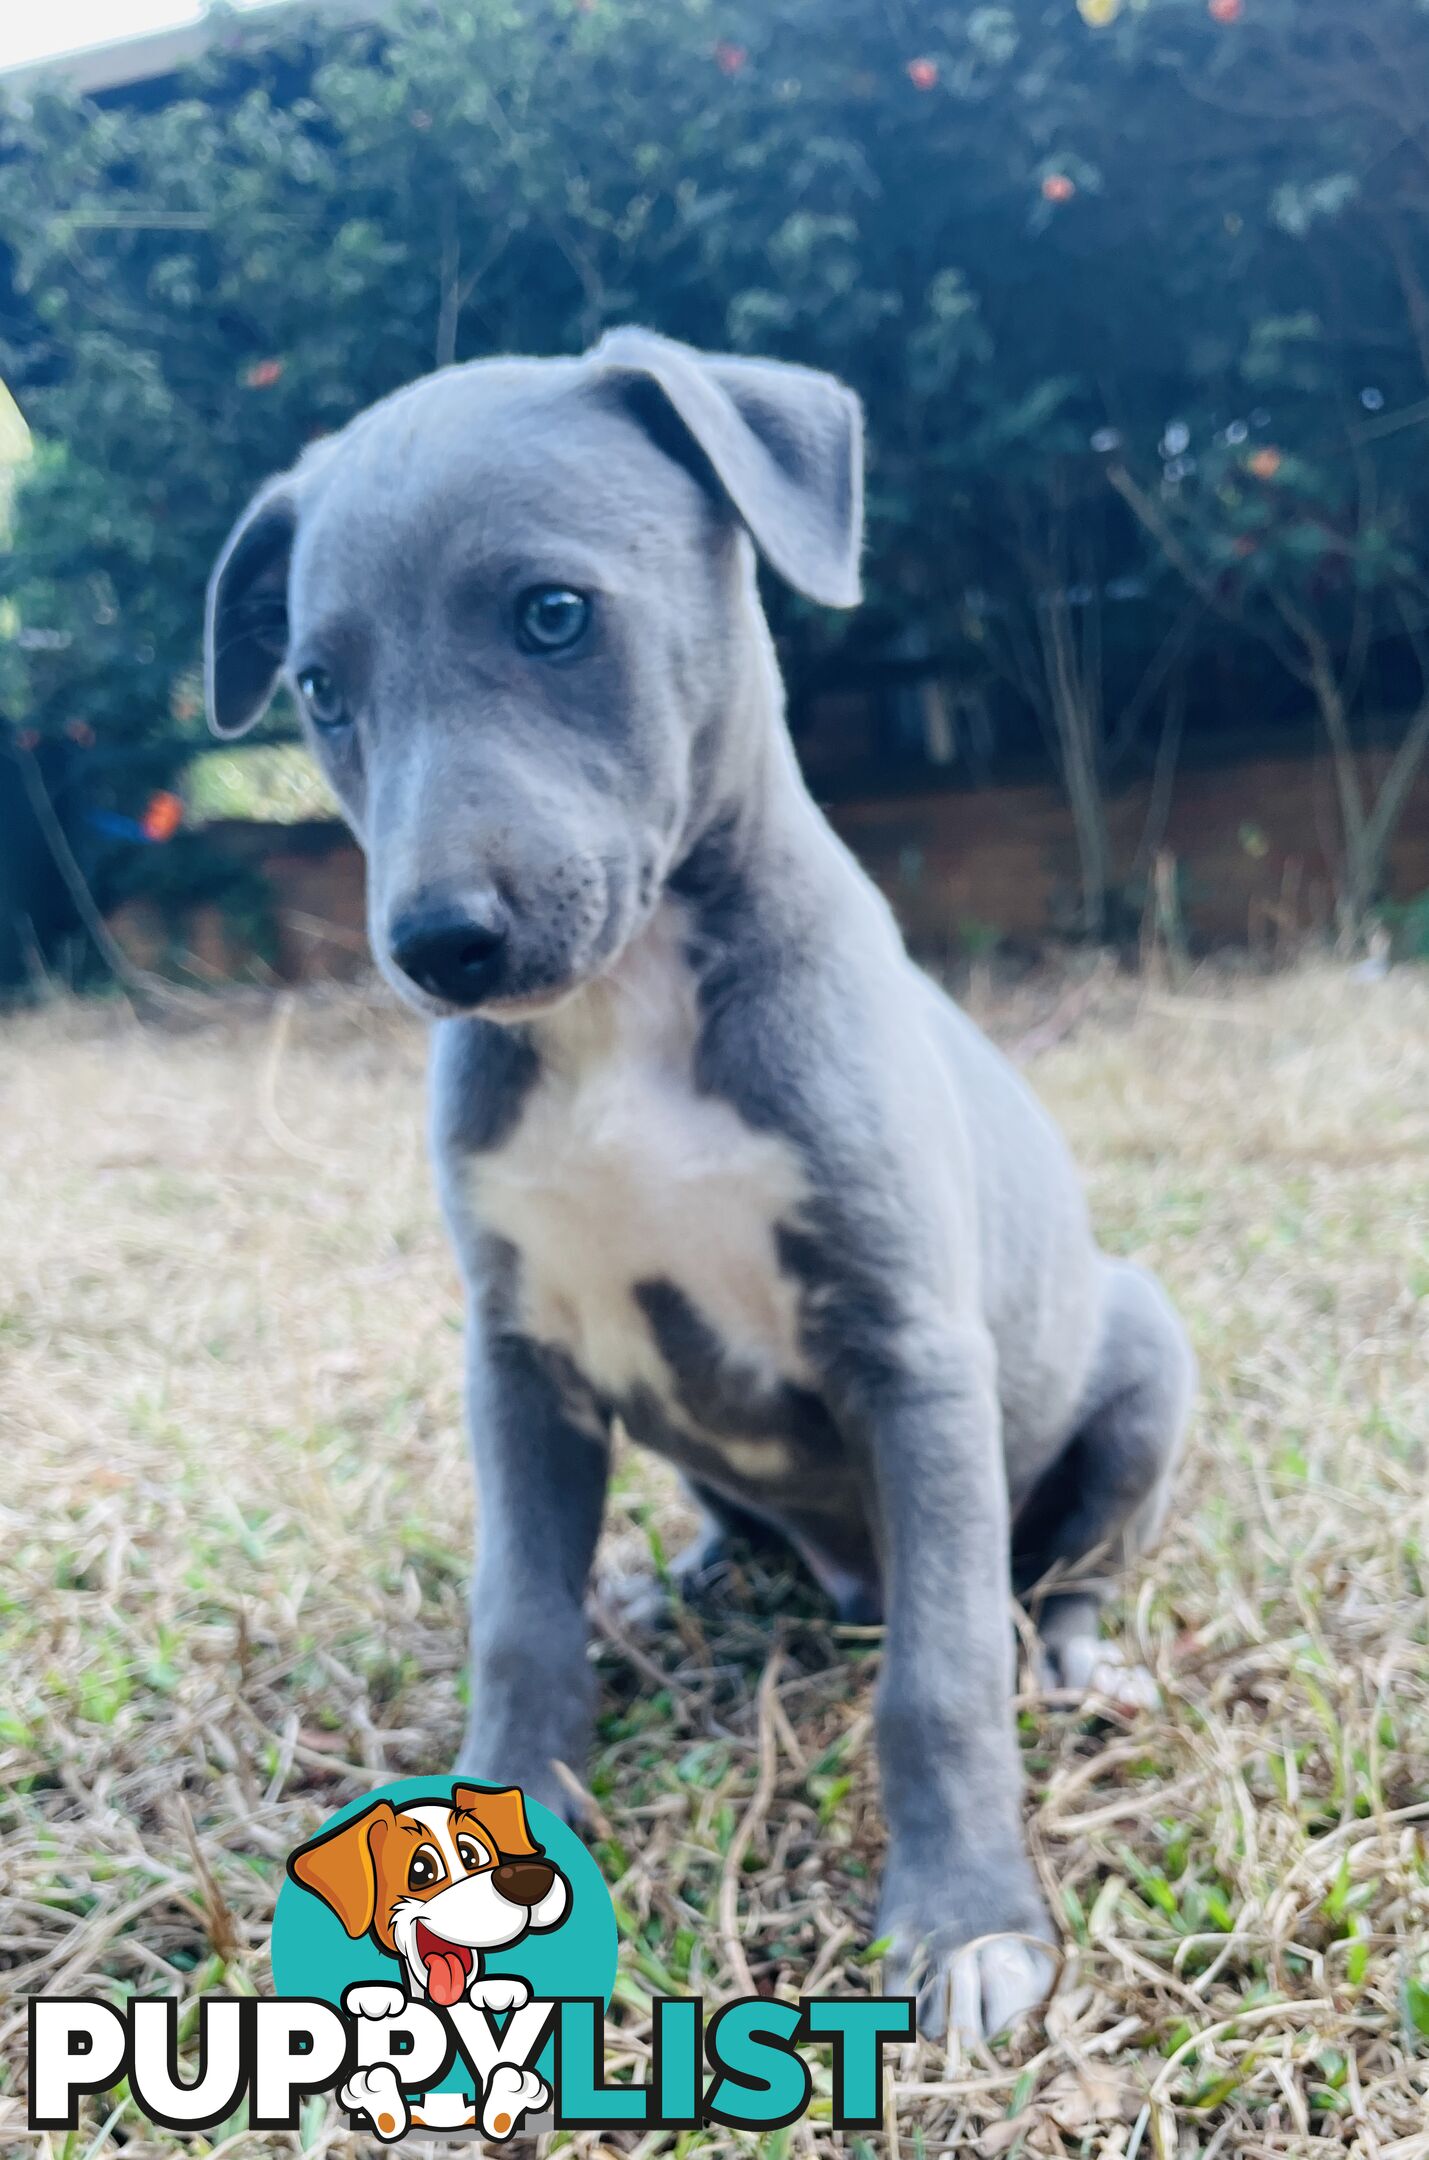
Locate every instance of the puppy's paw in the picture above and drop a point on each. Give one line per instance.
(511, 2094)
(1085, 1665)
(644, 1603)
(499, 1991)
(707, 1572)
(373, 1999)
(376, 2094)
(639, 1603)
(973, 1946)
(975, 1990)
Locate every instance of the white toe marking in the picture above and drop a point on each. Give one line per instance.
(1100, 1668)
(638, 1601)
(965, 2005)
(985, 1988)
(1015, 1978)
(1086, 1666)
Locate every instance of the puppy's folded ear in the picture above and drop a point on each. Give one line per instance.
(784, 445)
(246, 625)
(341, 1866)
(503, 1814)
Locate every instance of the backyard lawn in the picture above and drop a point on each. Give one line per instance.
(237, 1520)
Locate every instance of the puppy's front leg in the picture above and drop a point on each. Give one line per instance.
(541, 1490)
(957, 1867)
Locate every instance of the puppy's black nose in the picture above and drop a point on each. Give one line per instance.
(524, 1882)
(453, 953)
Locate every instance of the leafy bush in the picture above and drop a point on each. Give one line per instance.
(1134, 294)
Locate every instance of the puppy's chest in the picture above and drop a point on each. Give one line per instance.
(627, 1195)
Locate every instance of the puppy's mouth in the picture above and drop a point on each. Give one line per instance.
(448, 1965)
(535, 1005)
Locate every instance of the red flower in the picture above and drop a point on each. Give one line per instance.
(80, 731)
(263, 374)
(1265, 464)
(1059, 187)
(1225, 11)
(27, 738)
(163, 815)
(730, 59)
(923, 74)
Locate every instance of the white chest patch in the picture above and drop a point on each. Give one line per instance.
(619, 1172)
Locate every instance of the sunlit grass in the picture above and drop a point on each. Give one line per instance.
(238, 1516)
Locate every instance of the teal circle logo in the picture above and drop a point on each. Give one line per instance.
(450, 1894)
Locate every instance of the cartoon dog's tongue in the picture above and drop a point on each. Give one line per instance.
(447, 1966)
(445, 1975)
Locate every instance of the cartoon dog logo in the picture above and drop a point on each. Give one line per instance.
(434, 1883)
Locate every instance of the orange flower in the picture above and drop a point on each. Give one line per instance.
(263, 374)
(1225, 11)
(1059, 187)
(730, 59)
(163, 815)
(1265, 464)
(923, 74)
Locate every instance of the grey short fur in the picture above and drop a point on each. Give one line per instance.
(716, 1157)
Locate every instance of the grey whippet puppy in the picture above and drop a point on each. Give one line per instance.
(717, 1158)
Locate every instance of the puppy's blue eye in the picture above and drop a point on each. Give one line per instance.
(323, 699)
(550, 617)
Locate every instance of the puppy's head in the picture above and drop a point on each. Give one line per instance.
(436, 1882)
(516, 606)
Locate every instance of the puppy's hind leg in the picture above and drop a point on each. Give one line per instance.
(1105, 1495)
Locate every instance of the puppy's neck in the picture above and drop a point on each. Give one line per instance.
(757, 866)
(645, 1007)
(751, 819)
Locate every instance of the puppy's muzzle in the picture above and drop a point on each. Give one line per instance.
(524, 1882)
(453, 952)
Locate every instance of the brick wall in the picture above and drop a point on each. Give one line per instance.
(1254, 842)
(1255, 845)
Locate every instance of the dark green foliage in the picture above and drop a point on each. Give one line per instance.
(1140, 313)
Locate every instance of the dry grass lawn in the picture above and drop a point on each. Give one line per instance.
(236, 1523)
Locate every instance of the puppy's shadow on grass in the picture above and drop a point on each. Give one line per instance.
(734, 1771)
(685, 1660)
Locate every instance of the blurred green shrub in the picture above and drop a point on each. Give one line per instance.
(279, 783)
(1135, 294)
